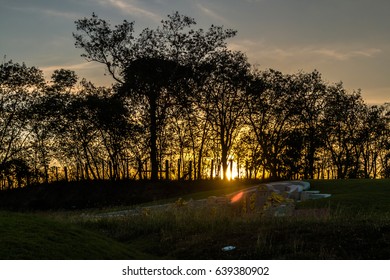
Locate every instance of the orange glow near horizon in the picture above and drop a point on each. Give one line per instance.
(229, 175)
(237, 197)
(234, 174)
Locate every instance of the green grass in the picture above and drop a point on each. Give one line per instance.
(187, 234)
(30, 236)
(359, 195)
(358, 227)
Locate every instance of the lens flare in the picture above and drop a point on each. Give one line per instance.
(237, 197)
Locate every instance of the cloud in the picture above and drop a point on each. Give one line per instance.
(131, 8)
(343, 55)
(47, 12)
(76, 67)
(261, 49)
(66, 15)
(94, 72)
(211, 13)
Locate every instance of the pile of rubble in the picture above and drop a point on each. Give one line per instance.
(297, 190)
(275, 199)
(272, 199)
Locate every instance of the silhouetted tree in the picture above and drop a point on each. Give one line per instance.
(63, 80)
(342, 125)
(93, 127)
(372, 139)
(167, 47)
(18, 86)
(272, 116)
(182, 95)
(154, 80)
(384, 156)
(222, 97)
(109, 46)
(46, 113)
(310, 93)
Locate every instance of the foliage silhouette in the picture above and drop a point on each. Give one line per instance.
(184, 106)
(148, 63)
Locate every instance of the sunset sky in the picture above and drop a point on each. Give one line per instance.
(345, 40)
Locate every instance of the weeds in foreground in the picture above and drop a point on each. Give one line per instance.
(187, 233)
(353, 224)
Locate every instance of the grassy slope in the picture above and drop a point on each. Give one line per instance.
(28, 236)
(358, 228)
(356, 195)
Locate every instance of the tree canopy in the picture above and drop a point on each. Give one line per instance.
(184, 106)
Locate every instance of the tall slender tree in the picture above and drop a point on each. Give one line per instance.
(272, 116)
(19, 84)
(342, 125)
(151, 61)
(222, 97)
(310, 93)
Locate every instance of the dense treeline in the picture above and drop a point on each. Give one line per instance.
(184, 106)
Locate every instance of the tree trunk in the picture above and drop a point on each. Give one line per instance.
(153, 138)
(310, 158)
(224, 162)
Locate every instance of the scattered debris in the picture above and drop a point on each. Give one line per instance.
(228, 248)
(272, 199)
